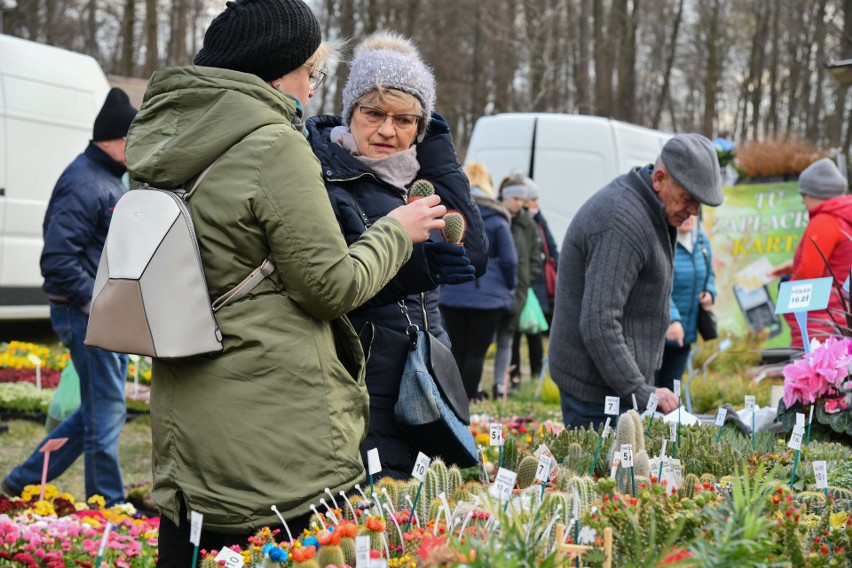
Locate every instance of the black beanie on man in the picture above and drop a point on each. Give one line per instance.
(267, 38)
(113, 121)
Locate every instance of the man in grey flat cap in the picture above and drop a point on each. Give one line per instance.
(615, 278)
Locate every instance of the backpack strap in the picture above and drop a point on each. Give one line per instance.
(256, 276)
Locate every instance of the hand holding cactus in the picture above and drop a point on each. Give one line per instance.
(420, 217)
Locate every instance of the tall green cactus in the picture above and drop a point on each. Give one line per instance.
(639, 424)
(510, 455)
(454, 480)
(347, 546)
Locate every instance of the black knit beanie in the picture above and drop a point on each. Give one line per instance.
(268, 38)
(113, 121)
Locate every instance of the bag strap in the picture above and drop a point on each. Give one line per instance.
(248, 284)
(254, 278)
(707, 264)
(544, 241)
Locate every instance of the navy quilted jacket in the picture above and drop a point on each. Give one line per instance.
(76, 224)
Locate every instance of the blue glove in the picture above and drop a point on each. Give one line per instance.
(448, 264)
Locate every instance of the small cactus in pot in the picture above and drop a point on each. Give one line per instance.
(455, 226)
(419, 189)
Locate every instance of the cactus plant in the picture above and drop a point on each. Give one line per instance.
(455, 226)
(419, 189)
(510, 454)
(526, 471)
(330, 554)
(708, 478)
(689, 483)
(454, 479)
(347, 546)
(641, 463)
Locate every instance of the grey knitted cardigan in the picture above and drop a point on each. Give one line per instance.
(612, 294)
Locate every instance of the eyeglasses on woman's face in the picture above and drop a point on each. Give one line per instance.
(315, 76)
(376, 117)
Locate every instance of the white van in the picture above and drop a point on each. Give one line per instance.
(569, 156)
(49, 98)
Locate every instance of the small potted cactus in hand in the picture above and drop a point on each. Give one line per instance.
(455, 226)
(419, 189)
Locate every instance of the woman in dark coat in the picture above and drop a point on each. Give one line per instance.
(472, 311)
(387, 137)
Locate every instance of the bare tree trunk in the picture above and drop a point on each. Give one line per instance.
(152, 55)
(603, 61)
(128, 45)
(711, 15)
(92, 29)
(667, 73)
(771, 123)
(815, 118)
(584, 95)
(627, 64)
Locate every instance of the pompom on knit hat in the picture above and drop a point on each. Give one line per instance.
(392, 61)
(822, 180)
(267, 38)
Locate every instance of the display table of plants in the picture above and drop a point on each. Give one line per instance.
(639, 492)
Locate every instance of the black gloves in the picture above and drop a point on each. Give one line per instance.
(448, 263)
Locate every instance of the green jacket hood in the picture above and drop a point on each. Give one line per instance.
(191, 115)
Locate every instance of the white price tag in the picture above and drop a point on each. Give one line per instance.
(503, 484)
(749, 402)
(626, 455)
(196, 520)
(720, 416)
(666, 476)
(542, 472)
(811, 414)
(230, 558)
(651, 407)
(612, 406)
(673, 431)
(606, 428)
(554, 467)
(33, 358)
(677, 473)
(800, 296)
(655, 465)
(496, 437)
(663, 448)
(374, 466)
(796, 438)
(635, 406)
(362, 551)
(821, 474)
(420, 466)
(800, 419)
(676, 388)
(725, 344)
(616, 461)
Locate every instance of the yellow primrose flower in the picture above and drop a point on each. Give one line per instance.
(482, 438)
(838, 520)
(68, 497)
(50, 491)
(92, 522)
(44, 508)
(30, 491)
(96, 500)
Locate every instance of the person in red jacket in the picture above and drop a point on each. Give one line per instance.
(829, 231)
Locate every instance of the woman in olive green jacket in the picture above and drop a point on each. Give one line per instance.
(279, 414)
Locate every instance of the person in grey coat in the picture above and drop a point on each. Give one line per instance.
(615, 278)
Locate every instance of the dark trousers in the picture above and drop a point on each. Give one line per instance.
(674, 362)
(577, 413)
(536, 350)
(175, 550)
(471, 332)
